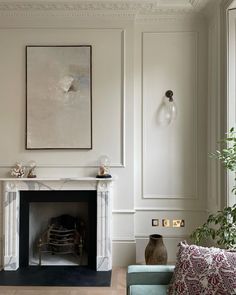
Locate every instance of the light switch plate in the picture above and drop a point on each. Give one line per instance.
(155, 222)
(166, 222)
(178, 223)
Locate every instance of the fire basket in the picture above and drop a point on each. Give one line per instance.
(64, 235)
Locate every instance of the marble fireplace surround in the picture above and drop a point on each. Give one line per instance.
(10, 200)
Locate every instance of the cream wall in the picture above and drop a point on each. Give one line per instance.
(171, 160)
(160, 172)
(221, 115)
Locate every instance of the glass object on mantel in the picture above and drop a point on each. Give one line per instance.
(18, 171)
(104, 167)
(31, 171)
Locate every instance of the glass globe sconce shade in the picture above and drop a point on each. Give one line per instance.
(104, 167)
(171, 108)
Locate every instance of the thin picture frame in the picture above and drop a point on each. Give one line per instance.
(58, 97)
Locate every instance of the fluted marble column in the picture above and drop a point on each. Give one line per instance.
(104, 248)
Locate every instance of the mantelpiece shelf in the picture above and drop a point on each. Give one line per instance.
(57, 179)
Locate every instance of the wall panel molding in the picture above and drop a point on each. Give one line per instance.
(113, 165)
(231, 92)
(168, 17)
(123, 240)
(214, 121)
(92, 161)
(194, 193)
(156, 209)
(145, 236)
(124, 211)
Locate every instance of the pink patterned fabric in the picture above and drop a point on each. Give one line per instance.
(203, 271)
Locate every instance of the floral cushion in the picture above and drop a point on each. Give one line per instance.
(203, 271)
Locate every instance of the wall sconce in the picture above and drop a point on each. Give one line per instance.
(171, 106)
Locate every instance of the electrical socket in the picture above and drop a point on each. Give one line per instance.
(155, 222)
(166, 222)
(178, 223)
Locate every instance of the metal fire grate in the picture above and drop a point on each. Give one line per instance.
(58, 239)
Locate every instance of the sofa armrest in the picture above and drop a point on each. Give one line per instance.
(149, 274)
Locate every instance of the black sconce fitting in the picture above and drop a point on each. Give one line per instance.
(169, 94)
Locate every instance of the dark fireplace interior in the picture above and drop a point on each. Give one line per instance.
(58, 228)
(63, 241)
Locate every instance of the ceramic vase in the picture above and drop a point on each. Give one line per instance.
(155, 252)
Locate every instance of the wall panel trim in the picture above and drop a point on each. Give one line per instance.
(123, 240)
(146, 209)
(145, 236)
(124, 211)
(193, 196)
(122, 114)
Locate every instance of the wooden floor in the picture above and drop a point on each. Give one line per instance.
(118, 287)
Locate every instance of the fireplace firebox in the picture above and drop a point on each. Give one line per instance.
(33, 220)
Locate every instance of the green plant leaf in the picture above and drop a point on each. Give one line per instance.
(221, 226)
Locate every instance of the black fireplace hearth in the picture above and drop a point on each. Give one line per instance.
(55, 276)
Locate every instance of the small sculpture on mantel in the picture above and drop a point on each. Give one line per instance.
(31, 171)
(18, 171)
(104, 167)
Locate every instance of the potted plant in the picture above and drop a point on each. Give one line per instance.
(221, 226)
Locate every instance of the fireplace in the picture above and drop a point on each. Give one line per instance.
(54, 225)
(21, 196)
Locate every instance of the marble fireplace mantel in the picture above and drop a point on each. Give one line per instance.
(10, 201)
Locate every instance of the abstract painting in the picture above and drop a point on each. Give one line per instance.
(59, 97)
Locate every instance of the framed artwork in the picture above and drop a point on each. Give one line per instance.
(59, 97)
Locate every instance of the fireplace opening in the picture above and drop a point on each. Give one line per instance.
(58, 228)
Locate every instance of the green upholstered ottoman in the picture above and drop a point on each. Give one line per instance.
(148, 279)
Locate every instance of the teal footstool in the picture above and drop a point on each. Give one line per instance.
(148, 279)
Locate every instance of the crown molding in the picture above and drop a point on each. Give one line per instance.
(199, 5)
(195, 3)
(75, 5)
(228, 4)
(100, 8)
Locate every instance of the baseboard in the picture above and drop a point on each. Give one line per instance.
(123, 253)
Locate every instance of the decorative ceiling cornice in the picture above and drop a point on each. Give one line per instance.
(194, 2)
(72, 5)
(125, 7)
(200, 4)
